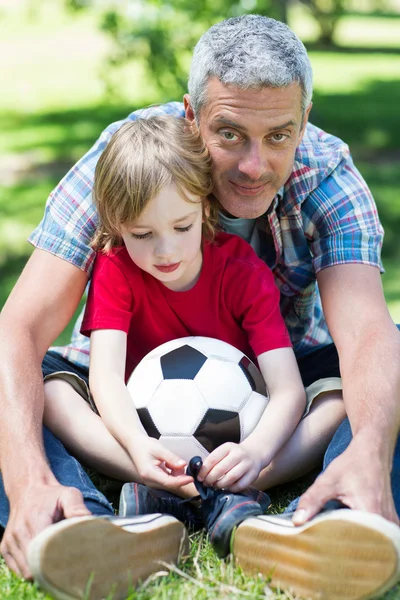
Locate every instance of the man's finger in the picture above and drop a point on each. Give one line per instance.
(72, 504)
(15, 558)
(313, 501)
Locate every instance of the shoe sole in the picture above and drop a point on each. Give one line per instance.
(91, 557)
(344, 554)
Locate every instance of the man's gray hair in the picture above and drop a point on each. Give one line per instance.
(250, 51)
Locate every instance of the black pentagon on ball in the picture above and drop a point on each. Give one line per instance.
(182, 363)
(148, 423)
(218, 427)
(244, 365)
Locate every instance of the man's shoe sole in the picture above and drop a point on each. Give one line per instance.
(93, 557)
(343, 554)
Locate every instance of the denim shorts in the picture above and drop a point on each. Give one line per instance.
(55, 366)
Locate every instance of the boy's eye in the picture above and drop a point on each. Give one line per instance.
(140, 236)
(183, 229)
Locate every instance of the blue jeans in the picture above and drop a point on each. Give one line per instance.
(339, 443)
(67, 470)
(324, 362)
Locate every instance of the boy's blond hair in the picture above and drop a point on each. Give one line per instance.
(141, 158)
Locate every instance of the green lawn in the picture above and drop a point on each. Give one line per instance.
(53, 108)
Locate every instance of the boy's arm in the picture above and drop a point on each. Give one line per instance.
(154, 463)
(285, 407)
(236, 466)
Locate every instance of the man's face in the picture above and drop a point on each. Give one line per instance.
(252, 137)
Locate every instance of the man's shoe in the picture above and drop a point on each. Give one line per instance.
(138, 499)
(96, 557)
(223, 511)
(343, 554)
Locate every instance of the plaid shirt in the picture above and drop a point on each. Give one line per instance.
(324, 215)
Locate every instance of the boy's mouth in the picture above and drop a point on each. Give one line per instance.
(167, 268)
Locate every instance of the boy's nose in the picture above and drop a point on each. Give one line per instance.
(164, 249)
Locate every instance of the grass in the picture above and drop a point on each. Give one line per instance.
(52, 110)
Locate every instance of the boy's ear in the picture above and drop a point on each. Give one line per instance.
(189, 113)
(206, 208)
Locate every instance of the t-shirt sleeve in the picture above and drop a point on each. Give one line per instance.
(110, 300)
(253, 298)
(341, 220)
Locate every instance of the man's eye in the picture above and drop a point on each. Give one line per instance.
(229, 135)
(279, 137)
(141, 236)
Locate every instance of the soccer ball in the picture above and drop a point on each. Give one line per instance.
(196, 393)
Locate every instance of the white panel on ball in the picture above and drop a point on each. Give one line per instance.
(251, 413)
(144, 381)
(223, 384)
(184, 447)
(177, 407)
(212, 347)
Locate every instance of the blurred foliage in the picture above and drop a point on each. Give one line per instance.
(327, 13)
(164, 32)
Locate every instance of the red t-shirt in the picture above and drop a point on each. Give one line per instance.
(234, 300)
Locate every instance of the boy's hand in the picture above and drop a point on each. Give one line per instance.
(231, 466)
(157, 466)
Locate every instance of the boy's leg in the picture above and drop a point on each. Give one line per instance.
(83, 432)
(305, 449)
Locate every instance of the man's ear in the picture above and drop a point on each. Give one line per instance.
(305, 121)
(189, 113)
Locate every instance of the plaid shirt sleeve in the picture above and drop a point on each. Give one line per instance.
(341, 220)
(70, 219)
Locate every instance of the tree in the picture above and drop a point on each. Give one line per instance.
(164, 32)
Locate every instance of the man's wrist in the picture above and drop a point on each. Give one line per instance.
(21, 478)
(376, 442)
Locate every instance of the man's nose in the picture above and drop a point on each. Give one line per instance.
(253, 162)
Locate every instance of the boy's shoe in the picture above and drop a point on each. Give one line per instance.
(98, 557)
(138, 499)
(346, 554)
(223, 511)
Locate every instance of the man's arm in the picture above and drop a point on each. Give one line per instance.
(368, 344)
(40, 306)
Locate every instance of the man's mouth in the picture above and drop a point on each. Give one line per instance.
(249, 190)
(167, 268)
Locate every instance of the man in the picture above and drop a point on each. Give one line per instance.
(294, 193)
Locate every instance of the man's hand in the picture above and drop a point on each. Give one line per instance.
(358, 478)
(36, 507)
(231, 466)
(157, 466)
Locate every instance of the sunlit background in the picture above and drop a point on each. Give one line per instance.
(70, 67)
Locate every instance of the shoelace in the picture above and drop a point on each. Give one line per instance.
(205, 492)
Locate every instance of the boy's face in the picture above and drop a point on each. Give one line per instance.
(252, 136)
(165, 240)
